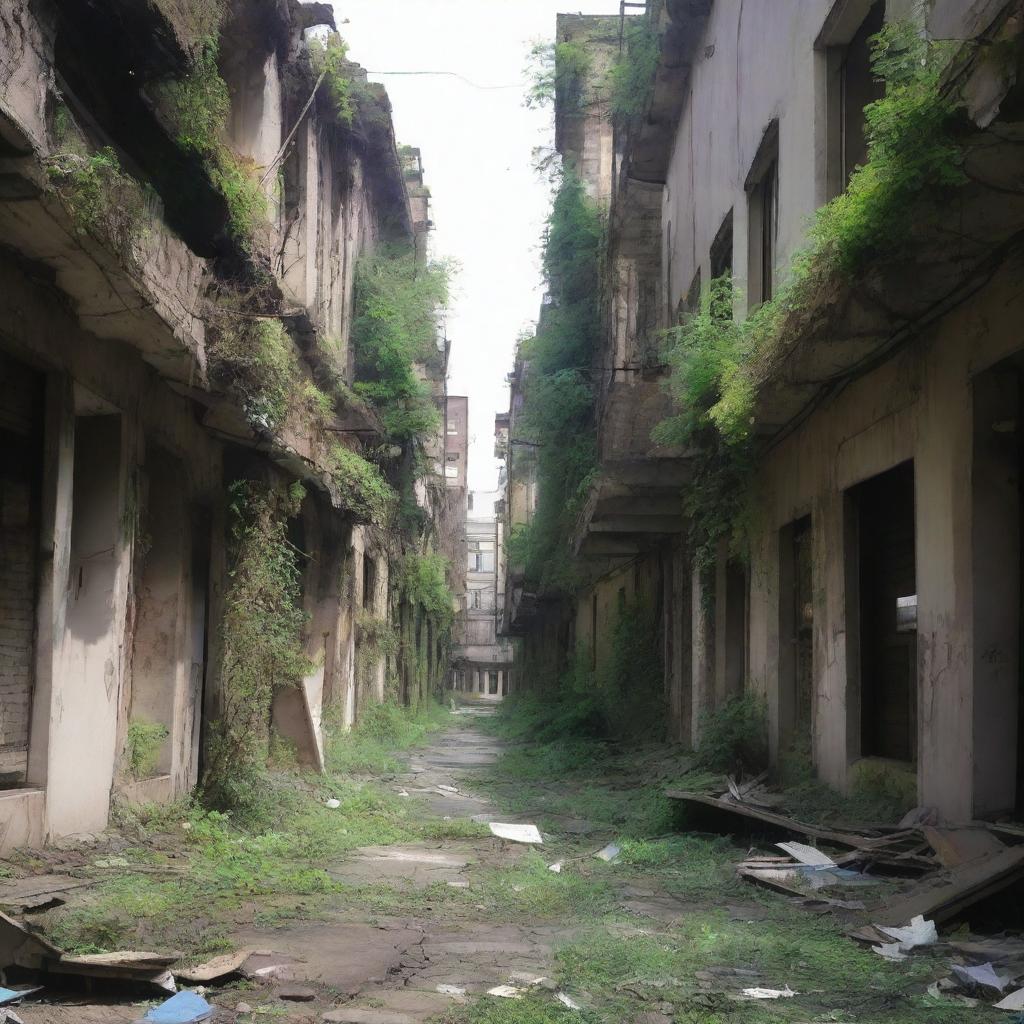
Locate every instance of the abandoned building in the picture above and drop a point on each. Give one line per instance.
(183, 224)
(875, 602)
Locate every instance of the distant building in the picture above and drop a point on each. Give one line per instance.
(456, 446)
(483, 663)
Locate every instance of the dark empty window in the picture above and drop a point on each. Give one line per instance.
(721, 249)
(763, 191)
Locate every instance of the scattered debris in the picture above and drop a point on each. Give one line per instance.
(8, 1016)
(111, 862)
(567, 1001)
(1014, 1001)
(38, 892)
(609, 853)
(332, 803)
(505, 992)
(769, 993)
(215, 969)
(954, 847)
(515, 833)
(446, 789)
(918, 933)
(183, 1008)
(556, 867)
(403, 792)
(941, 990)
(807, 855)
(15, 995)
(451, 990)
(890, 950)
(983, 976)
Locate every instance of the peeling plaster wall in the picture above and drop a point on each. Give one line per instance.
(916, 406)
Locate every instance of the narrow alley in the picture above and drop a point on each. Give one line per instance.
(400, 906)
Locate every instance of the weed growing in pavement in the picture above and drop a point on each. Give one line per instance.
(372, 744)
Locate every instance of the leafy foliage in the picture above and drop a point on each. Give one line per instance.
(254, 358)
(631, 77)
(558, 412)
(734, 737)
(101, 199)
(369, 496)
(399, 301)
(262, 631)
(330, 58)
(197, 106)
(424, 582)
(717, 363)
(142, 747)
(557, 69)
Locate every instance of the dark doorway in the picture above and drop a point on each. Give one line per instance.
(21, 460)
(888, 614)
(796, 630)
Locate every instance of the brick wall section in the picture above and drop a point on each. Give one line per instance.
(20, 401)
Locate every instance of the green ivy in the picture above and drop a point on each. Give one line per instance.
(362, 485)
(100, 198)
(631, 77)
(424, 582)
(330, 58)
(142, 747)
(262, 638)
(717, 363)
(253, 357)
(398, 304)
(558, 411)
(197, 106)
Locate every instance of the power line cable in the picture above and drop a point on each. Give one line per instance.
(450, 74)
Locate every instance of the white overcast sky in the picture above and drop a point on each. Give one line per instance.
(488, 206)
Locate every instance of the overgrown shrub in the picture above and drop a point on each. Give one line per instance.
(362, 485)
(398, 305)
(717, 364)
(424, 583)
(253, 358)
(100, 198)
(558, 410)
(631, 77)
(262, 637)
(142, 747)
(197, 107)
(557, 69)
(330, 58)
(734, 737)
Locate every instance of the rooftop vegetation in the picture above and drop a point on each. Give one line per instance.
(330, 59)
(558, 414)
(631, 77)
(557, 68)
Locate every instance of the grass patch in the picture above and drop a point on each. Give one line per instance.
(384, 730)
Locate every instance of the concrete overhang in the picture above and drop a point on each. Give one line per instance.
(633, 505)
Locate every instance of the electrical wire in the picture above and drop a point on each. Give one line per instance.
(450, 74)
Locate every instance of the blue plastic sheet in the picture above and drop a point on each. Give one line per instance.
(183, 1008)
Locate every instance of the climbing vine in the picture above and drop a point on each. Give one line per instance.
(262, 637)
(557, 69)
(329, 57)
(362, 486)
(197, 107)
(424, 583)
(399, 301)
(558, 412)
(717, 363)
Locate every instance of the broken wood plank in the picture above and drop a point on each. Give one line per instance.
(956, 846)
(218, 967)
(777, 821)
(20, 948)
(963, 886)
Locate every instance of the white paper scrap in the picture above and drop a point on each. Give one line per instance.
(609, 853)
(515, 833)
(807, 855)
(333, 804)
(451, 990)
(556, 867)
(769, 993)
(567, 1001)
(1014, 1001)
(890, 950)
(447, 789)
(983, 975)
(918, 933)
(504, 991)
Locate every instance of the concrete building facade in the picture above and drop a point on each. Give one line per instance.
(878, 607)
(127, 421)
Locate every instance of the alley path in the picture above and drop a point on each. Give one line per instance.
(399, 906)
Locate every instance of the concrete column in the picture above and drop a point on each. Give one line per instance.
(702, 654)
(501, 683)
